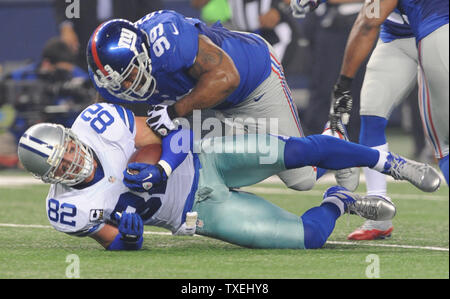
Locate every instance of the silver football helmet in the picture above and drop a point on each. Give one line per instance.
(43, 147)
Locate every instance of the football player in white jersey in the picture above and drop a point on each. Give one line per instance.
(188, 192)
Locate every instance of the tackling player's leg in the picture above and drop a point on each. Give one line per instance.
(390, 76)
(434, 92)
(248, 220)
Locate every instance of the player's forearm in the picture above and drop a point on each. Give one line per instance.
(210, 90)
(144, 135)
(359, 45)
(216, 75)
(364, 34)
(110, 238)
(175, 148)
(106, 235)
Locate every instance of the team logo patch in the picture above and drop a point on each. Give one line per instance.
(127, 39)
(96, 215)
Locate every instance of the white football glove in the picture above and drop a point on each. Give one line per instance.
(301, 7)
(161, 119)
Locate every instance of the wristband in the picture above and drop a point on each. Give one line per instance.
(164, 168)
(344, 82)
(171, 112)
(120, 244)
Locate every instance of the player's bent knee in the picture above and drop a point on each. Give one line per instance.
(303, 185)
(302, 179)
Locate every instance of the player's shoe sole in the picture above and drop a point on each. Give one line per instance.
(370, 234)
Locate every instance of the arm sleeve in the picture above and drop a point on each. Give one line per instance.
(175, 148)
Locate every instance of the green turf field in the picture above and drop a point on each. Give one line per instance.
(30, 248)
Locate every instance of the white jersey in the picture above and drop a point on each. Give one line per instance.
(109, 130)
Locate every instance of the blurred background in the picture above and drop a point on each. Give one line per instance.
(43, 70)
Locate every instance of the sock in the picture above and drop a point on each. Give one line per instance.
(382, 160)
(318, 224)
(373, 134)
(376, 181)
(327, 152)
(443, 165)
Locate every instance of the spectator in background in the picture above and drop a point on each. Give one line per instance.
(54, 80)
(77, 31)
(56, 57)
(272, 20)
(8, 148)
(328, 29)
(213, 11)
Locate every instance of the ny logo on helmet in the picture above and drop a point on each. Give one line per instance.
(127, 39)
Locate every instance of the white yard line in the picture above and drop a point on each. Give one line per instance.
(266, 190)
(432, 248)
(15, 181)
(389, 245)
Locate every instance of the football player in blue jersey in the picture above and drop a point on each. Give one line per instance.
(167, 57)
(187, 192)
(391, 74)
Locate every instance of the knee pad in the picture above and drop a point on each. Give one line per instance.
(300, 179)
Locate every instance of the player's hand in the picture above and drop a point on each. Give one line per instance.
(142, 177)
(162, 119)
(131, 226)
(301, 7)
(341, 106)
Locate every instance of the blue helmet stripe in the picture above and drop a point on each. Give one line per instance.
(33, 150)
(38, 141)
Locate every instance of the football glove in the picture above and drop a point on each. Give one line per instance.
(162, 119)
(131, 227)
(301, 7)
(148, 176)
(341, 104)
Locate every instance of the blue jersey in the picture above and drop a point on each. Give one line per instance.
(174, 48)
(425, 16)
(396, 26)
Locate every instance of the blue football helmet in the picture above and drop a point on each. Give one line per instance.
(119, 61)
